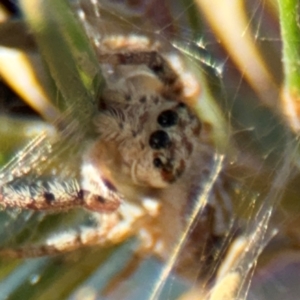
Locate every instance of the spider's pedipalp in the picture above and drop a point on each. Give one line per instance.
(54, 195)
(48, 194)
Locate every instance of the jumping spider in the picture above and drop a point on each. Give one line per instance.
(142, 172)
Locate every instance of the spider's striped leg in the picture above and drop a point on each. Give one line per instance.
(111, 229)
(68, 240)
(55, 195)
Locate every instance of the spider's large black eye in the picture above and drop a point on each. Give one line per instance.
(159, 139)
(167, 118)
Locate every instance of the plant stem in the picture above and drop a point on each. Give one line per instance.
(289, 11)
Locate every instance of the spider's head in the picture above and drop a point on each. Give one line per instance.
(170, 139)
(155, 141)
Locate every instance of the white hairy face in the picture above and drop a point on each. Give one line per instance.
(153, 136)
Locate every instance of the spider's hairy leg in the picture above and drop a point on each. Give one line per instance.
(53, 195)
(69, 240)
(152, 59)
(110, 229)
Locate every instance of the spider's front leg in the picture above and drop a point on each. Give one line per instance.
(110, 229)
(67, 241)
(55, 195)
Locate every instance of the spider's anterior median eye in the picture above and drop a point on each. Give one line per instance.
(167, 118)
(159, 139)
(157, 162)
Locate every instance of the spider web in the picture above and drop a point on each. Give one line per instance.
(258, 147)
(258, 133)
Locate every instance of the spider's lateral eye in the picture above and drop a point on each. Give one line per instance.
(167, 118)
(159, 139)
(157, 162)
